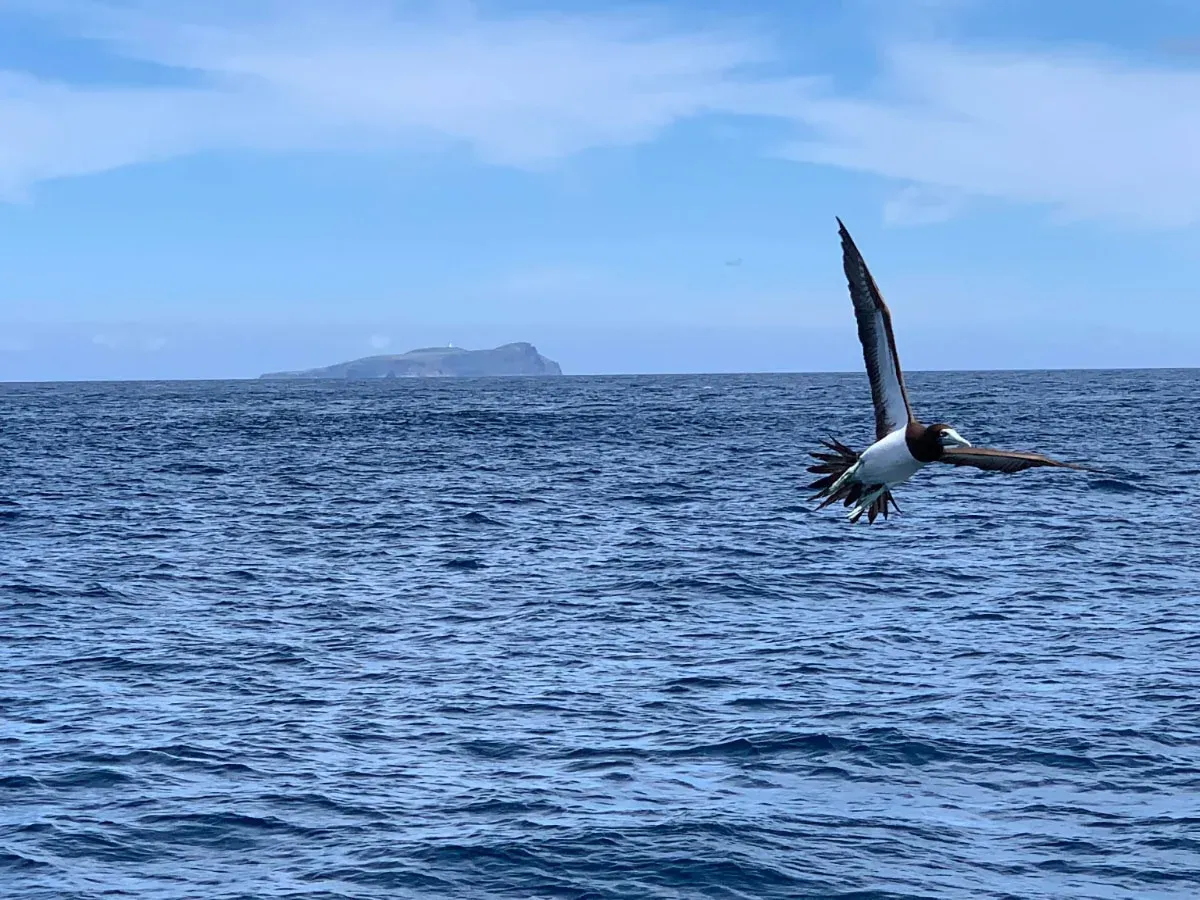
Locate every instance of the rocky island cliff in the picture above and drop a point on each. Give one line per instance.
(437, 362)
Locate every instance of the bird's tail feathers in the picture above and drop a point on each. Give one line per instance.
(836, 467)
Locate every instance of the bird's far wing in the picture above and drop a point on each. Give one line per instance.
(1001, 460)
(879, 346)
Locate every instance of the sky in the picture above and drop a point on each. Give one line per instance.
(218, 188)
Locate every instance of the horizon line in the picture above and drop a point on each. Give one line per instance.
(696, 373)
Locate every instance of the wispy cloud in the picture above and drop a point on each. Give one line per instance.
(1083, 134)
(379, 341)
(521, 91)
(1077, 131)
(923, 204)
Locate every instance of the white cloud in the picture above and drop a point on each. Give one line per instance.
(520, 91)
(1086, 136)
(1075, 131)
(53, 130)
(379, 341)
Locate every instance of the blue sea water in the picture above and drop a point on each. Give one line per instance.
(584, 638)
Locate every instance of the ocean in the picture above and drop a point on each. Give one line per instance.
(585, 638)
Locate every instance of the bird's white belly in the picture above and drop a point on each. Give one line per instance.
(887, 461)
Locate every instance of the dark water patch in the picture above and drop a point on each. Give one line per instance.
(89, 777)
(393, 878)
(466, 564)
(192, 468)
(18, 864)
(768, 745)
(478, 518)
(219, 830)
(493, 749)
(1112, 485)
(110, 664)
(701, 682)
(103, 592)
(242, 575)
(760, 703)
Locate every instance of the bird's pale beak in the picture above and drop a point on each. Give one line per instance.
(951, 438)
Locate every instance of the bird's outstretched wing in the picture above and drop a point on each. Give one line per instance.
(879, 345)
(1002, 460)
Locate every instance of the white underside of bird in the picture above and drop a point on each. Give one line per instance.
(885, 464)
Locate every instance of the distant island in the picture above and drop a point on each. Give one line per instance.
(437, 362)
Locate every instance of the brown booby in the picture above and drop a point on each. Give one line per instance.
(903, 445)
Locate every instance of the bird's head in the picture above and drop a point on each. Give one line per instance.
(947, 436)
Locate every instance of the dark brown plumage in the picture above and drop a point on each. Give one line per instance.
(1002, 460)
(874, 319)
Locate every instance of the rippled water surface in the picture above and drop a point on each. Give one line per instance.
(584, 638)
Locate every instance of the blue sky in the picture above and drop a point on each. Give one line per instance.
(214, 189)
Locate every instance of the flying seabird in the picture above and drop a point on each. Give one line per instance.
(903, 445)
